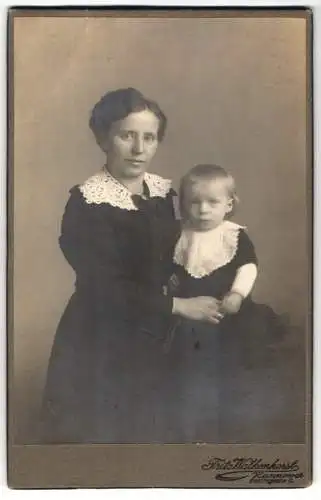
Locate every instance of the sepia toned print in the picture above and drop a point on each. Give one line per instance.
(161, 227)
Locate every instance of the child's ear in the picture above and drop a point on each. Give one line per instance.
(229, 205)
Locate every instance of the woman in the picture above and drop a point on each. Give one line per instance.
(110, 379)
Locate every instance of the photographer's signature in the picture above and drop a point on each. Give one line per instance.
(255, 470)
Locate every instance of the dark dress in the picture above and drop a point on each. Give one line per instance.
(233, 381)
(108, 377)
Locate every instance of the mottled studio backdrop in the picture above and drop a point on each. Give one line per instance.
(234, 94)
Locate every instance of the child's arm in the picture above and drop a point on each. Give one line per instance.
(244, 279)
(240, 289)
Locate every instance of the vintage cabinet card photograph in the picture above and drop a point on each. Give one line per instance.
(160, 248)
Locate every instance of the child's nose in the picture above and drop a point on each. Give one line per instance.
(203, 207)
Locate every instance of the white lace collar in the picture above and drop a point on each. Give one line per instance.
(104, 188)
(202, 252)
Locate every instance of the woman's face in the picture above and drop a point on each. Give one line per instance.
(131, 144)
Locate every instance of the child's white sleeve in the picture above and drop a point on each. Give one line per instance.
(245, 279)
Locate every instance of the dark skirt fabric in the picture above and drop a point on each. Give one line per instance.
(107, 382)
(235, 380)
(232, 383)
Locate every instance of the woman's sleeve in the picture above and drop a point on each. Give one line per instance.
(173, 215)
(245, 252)
(100, 272)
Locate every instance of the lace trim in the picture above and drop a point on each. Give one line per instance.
(201, 253)
(104, 188)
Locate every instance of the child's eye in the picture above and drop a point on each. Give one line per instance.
(213, 201)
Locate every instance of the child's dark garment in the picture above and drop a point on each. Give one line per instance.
(232, 382)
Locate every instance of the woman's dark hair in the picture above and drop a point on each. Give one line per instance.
(118, 104)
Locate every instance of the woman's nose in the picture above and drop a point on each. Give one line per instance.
(138, 145)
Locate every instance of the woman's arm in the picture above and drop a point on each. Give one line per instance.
(101, 275)
(99, 269)
(198, 308)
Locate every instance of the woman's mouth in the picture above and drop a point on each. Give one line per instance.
(135, 162)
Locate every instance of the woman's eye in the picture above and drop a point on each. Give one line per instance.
(125, 135)
(149, 138)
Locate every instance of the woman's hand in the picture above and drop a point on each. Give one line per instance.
(198, 308)
(231, 303)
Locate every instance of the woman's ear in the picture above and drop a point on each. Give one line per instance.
(105, 140)
(105, 143)
(101, 142)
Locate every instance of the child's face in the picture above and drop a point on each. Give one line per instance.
(207, 204)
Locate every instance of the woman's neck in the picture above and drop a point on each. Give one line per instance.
(134, 185)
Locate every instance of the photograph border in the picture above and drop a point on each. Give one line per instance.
(169, 465)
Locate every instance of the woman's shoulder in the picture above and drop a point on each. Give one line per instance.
(82, 195)
(94, 189)
(158, 186)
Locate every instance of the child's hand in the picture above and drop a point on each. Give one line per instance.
(231, 303)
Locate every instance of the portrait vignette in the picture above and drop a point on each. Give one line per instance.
(51, 149)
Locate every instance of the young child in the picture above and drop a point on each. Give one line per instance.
(209, 241)
(228, 369)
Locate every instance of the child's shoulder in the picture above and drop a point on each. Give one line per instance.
(233, 226)
(234, 232)
(245, 245)
(240, 230)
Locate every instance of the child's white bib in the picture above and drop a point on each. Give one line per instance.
(202, 252)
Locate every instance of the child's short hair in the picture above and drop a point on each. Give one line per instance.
(207, 172)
